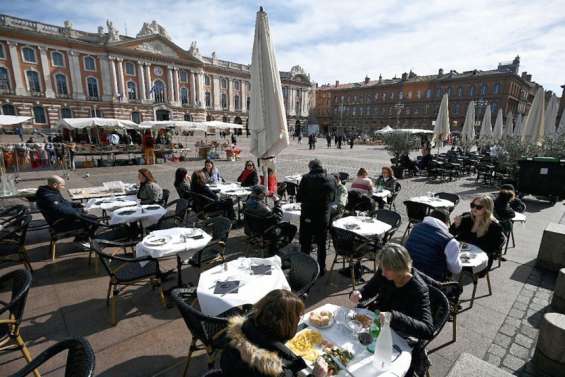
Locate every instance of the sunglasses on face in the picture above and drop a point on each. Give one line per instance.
(477, 206)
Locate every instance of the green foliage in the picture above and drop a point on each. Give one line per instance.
(398, 143)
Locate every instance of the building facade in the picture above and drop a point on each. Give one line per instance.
(51, 72)
(412, 101)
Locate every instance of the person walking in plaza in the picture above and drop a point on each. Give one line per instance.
(148, 148)
(329, 140)
(149, 191)
(433, 249)
(20, 133)
(300, 138)
(316, 192)
(351, 142)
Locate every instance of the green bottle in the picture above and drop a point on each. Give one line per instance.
(375, 331)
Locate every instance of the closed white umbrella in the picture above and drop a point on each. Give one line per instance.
(518, 125)
(551, 112)
(509, 128)
(468, 131)
(441, 128)
(267, 116)
(533, 127)
(485, 135)
(561, 128)
(498, 126)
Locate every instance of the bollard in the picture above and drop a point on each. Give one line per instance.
(558, 301)
(549, 357)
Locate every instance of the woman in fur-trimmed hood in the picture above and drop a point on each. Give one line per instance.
(256, 347)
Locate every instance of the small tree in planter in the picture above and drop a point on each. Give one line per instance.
(397, 144)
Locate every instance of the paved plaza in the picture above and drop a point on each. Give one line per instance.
(68, 297)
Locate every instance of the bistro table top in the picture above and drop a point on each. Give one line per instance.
(111, 203)
(148, 214)
(519, 218)
(21, 193)
(170, 242)
(433, 202)
(384, 193)
(251, 284)
(361, 364)
(101, 192)
(363, 225)
(473, 257)
(230, 189)
(296, 178)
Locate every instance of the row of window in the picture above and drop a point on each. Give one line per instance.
(371, 110)
(224, 83)
(224, 101)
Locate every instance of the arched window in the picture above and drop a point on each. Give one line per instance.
(236, 84)
(472, 91)
(224, 83)
(92, 86)
(497, 88)
(224, 101)
(206, 80)
(39, 114)
(494, 107)
(237, 103)
(207, 99)
(484, 90)
(225, 119)
(188, 117)
(33, 81)
(456, 108)
(460, 91)
(89, 63)
(132, 90)
(184, 95)
(136, 117)
(4, 80)
(29, 54)
(8, 109)
(429, 93)
(159, 91)
(57, 59)
(61, 84)
(66, 113)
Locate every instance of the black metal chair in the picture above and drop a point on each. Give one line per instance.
(394, 194)
(291, 191)
(165, 198)
(125, 271)
(440, 315)
(205, 207)
(214, 373)
(264, 234)
(454, 198)
(416, 212)
(303, 272)
(391, 218)
(13, 238)
(19, 282)
(357, 201)
(209, 331)
(343, 176)
(213, 253)
(80, 358)
(352, 248)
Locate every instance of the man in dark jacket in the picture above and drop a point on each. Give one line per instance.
(316, 193)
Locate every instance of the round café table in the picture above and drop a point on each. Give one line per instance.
(363, 225)
(147, 215)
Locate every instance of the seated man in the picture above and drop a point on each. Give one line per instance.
(433, 249)
(257, 208)
(61, 214)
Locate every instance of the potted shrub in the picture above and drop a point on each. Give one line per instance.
(397, 144)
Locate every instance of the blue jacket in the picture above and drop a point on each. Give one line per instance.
(426, 246)
(53, 206)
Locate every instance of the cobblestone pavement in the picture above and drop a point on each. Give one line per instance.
(67, 298)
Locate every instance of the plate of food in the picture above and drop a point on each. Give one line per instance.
(306, 344)
(364, 319)
(333, 357)
(321, 319)
(156, 240)
(465, 246)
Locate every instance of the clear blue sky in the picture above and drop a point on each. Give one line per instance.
(344, 40)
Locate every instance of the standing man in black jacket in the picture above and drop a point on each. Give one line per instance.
(316, 193)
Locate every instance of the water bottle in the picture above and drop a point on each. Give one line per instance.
(375, 330)
(382, 357)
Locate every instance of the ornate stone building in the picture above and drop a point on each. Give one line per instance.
(49, 72)
(412, 101)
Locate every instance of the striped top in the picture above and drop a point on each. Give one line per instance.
(362, 185)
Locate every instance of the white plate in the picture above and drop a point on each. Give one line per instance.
(157, 240)
(330, 323)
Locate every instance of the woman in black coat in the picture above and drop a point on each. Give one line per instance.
(182, 183)
(257, 343)
(198, 186)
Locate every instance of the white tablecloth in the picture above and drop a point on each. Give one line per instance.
(433, 202)
(381, 193)
(478, 260)
(291, 213)
(230, 189)
(293, 178)
(110, 204)
(175, 243)
(519, 218)
(251, 289)
(146, 216)
(361, 365)
(367, 226)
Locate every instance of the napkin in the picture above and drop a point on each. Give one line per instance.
(261, 269)
(224, 287)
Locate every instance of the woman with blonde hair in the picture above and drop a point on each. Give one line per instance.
(385, 181)
(362, 183)
(480, 228)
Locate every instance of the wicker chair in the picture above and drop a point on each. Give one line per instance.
(125, 271)
(205, 206)
(391, 218)
(416, 212)
(454, 198)
(265, 234)
(440, 315)
(394, 194)
(213, 253)
(209, 331)
(13, 237)
(303, 272)
(80, 358)
(20, 281)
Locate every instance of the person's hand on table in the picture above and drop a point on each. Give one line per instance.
(355, 297)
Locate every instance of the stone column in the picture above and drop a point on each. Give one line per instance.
(21, 88)
(49, 93)
(176, 81)
(243, 99)
(230, 95)
(122, 80)
(217, 105)
(106, 78)
(114, 75)
(171, 90)
(76, 77)
(201, 91)
(291, 101)
(141, 73)
(150, 95)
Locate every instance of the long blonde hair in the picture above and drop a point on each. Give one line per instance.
(481, 224)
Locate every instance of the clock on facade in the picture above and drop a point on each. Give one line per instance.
(158, 71)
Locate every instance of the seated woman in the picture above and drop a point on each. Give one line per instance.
(248, 176)
(149, 191)
(386, 181)
(480, 228)
(401, 291)
(211, 174)
(182, 183)
(198, 186)
(362, 183)
(514, 203)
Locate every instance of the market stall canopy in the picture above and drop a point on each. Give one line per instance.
(9, 120)
(414, 131)
(179, 124)
(221, 125)
(267, 115)
(385, 130)
(80, 123)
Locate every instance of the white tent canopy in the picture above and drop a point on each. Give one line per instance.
(180, 124)
(9, 120)
(385, 130)
(441, 128)
(414, 130)
(551, 112)
(485, 135)
(533, 127)
(221, 125)
(80, 123)
(498, 126)
(468, 131)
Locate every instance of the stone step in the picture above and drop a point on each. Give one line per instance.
(468, 365)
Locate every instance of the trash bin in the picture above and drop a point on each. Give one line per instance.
(542, 176)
